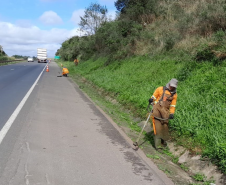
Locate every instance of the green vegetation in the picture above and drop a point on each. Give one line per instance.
(153, 156)
(188, 29)
(184, 167)
(95, 15)
(202, 178)
(199, 177)
(164, 169)
(4, 57)
(150, 42)
(168, 153)
(200, 109)
(22, 57)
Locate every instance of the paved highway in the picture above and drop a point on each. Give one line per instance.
(61, 138)
(15, 81)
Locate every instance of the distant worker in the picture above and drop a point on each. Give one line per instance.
(76, 61)
(164, 100)
(65, 71)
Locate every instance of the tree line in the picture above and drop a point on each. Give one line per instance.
(149, 27)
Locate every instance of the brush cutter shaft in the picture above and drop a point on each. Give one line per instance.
(143, 127)
(150, 112)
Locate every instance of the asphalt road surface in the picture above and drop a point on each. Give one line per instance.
(60, 137)
(15, 81)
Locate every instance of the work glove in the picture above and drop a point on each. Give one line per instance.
(150, 100)
(171, 116)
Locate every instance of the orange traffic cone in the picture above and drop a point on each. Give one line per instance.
(47, 68)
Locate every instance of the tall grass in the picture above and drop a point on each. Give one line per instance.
(200, 112)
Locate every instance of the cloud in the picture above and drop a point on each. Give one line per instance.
(23, 23)
(25, 41)
(76, 16)
(50, 18)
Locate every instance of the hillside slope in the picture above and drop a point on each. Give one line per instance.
(199, 122)
(152, 41)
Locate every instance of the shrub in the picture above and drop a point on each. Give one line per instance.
(3, 58)
(204, 53)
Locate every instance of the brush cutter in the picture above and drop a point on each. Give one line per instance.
(149, 115)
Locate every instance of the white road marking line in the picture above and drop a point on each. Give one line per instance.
(12, 118)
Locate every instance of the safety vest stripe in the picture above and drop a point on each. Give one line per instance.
(172, 105)
(153, 97)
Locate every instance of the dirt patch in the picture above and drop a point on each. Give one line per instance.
(196, 164)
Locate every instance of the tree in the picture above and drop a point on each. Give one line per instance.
(121, 5)
(95, 16)
(134, 9)
(2, 53)
(124, 5)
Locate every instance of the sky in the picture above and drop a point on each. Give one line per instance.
(26, 25)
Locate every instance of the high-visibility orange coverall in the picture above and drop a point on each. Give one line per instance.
(163, 107)
(76, 61)
(65, 71)
(158, 94)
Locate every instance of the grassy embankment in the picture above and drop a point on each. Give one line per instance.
(199, 122)
(5, 60)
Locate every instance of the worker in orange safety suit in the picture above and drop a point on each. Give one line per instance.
(65, 71)
(76, 61)
(164, 100)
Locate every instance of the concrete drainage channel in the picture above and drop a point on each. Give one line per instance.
(197, 165)
(186, 167)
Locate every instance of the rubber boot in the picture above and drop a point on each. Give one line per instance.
(163, 142)
(158, 144)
